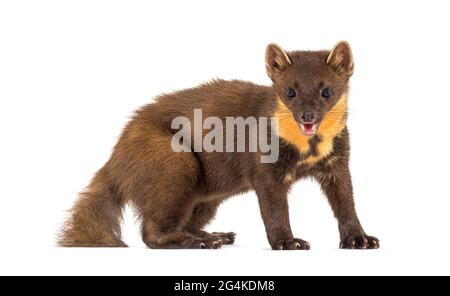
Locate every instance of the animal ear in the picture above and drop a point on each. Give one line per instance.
(341, 59)
(277, 60)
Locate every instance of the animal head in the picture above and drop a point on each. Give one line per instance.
(312, 85)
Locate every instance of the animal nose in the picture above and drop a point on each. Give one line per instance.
(309, 103)
(308, 117)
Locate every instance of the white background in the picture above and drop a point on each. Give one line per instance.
(72, 72)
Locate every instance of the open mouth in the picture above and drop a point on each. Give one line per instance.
(308, 129)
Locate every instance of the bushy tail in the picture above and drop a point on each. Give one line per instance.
(94, 220)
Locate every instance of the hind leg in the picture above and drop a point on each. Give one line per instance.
(165, 199)
(167, 230)
(184, 240)
(202, 214)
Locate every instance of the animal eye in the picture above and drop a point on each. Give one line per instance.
(326, 93)
(291, 93)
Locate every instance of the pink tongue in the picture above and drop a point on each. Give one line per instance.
(308, 127)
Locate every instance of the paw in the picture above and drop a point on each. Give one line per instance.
(227, 238)
(292, 244)
(203, 243)
(360, 242)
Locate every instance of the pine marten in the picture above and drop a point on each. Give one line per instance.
(177, 193)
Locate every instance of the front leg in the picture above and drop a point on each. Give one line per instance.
(274, 207)
(336, 183)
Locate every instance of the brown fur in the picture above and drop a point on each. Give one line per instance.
(177, 194)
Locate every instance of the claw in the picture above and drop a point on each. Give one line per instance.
(216, 244)
(362, 242)
(291, 244)
(374, 244)
(359, 242)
